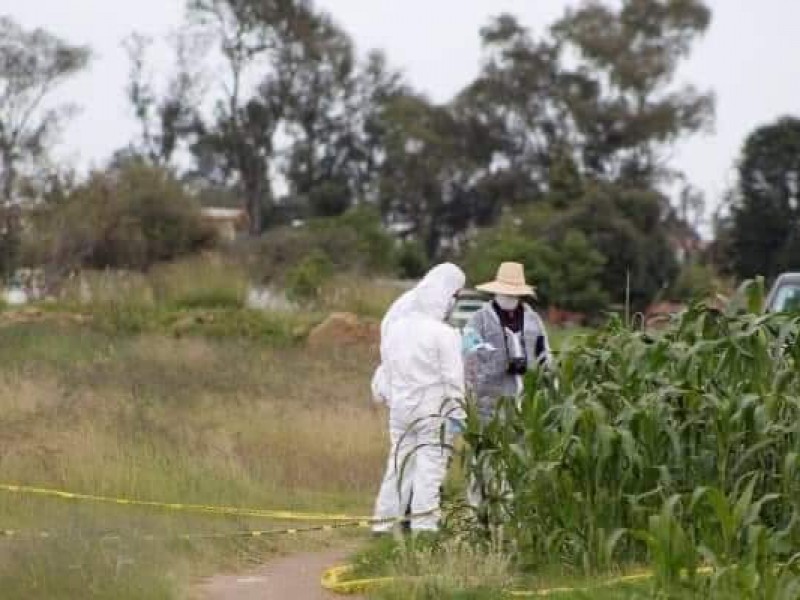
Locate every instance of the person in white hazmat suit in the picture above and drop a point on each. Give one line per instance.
(502, 341)
(421, 378)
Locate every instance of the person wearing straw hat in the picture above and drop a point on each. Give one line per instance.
(503, 340)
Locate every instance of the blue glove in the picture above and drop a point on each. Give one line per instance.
(455, 426)
(470, 340)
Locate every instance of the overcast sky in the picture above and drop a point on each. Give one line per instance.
(750, 59)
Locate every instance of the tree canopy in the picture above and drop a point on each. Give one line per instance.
(557, 151)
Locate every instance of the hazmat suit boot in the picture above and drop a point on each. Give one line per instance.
(405, 524)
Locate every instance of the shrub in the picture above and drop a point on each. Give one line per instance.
(411, 261)
(374, 248)
(353, 242)
(696, 282)
(126, 218)
(305, 281)
(199, 282)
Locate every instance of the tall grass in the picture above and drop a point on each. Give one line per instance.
(192, 420)
(205, 282)
(425, 569)
(367, 297)
(196, 297)
(677, 450)
(206, 296)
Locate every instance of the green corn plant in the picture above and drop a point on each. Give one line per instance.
(727, 519)
(671, 546)
(707, 410)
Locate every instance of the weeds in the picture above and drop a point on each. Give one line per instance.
(199, 283)
(361, 296)
(426, 569)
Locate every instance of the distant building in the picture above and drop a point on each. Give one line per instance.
(229, 223)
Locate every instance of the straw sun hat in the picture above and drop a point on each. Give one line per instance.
(510, 281)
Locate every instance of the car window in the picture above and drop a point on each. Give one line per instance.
(787, 298)
(471, 305)
(468, 307)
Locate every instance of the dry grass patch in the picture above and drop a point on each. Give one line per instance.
(225, 422)
(359, 295)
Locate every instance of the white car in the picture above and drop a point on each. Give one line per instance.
(467, 304)
(785, 294)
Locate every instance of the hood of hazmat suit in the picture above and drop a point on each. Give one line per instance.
(420, 354)
(445, 276)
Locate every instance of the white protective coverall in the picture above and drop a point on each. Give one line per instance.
(421, 377)
(402, 307)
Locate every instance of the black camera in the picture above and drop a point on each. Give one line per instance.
(517, 366)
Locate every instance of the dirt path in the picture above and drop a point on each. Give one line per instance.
(294, 577)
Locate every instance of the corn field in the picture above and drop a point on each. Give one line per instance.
(677, 450)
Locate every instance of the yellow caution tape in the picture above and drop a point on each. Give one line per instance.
(335, 580)
(13, 533)
(572, 590)
(271, 532)
(249, 533)
(279, 515)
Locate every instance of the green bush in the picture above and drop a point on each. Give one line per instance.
(695, 282)
(199, 282)
(353, 242)
(305, 281)
(411, 261)
(495, 246)
(374, 248)
(126, 218)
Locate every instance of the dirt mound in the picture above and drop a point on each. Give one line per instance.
(344, 329)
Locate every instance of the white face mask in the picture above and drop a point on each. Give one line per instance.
(508, 303)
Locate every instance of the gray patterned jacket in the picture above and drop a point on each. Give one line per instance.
(486, 357)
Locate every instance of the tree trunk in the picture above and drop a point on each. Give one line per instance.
(9, 175)
(255, 209)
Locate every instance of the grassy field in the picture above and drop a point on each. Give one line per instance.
(162, 387)
(193, 420)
